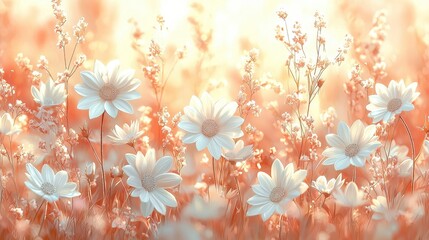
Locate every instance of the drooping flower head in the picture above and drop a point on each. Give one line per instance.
(150, 178)
(350, 145)
(392, 100)
(49, 94)
(49, 185)
(274, 193)
(211, 124)
(107, 89)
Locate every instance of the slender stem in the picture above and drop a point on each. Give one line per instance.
(166, 80)
(314, 203)
(1, 199)
(43, 220)
(109, 192)
(351, 223)
(67, 106)
(101, 158)
(238, 189)
(89, 191)
(221, 171)
(64, 55)
(354, 174)
(214, 172)
(412, 149)
(280, 226)
(37, 211)
(49, 73)
(71, 57)
(10, 158)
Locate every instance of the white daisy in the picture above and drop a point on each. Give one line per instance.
(7, 125)
(150, 178)
(126, 135)
(211, 124)
(49, 185)
(239, 153)
(351, 197)
(351, 145)
(392, 100)
(106, 89)
(273, 194)
(49, 94)
(327, 187)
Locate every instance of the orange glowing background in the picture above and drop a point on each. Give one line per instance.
(216, 35)
(232, 26)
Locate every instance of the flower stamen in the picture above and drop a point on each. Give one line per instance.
(394, 104)
(209, 128)
(48, 188)
(148, 183)
(277, 194)
(108, 92)
(352, 150)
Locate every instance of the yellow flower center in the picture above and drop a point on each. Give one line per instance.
(394, 104)
(210, 128)
(108, 92)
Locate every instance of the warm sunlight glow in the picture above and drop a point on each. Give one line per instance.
(229, 119)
